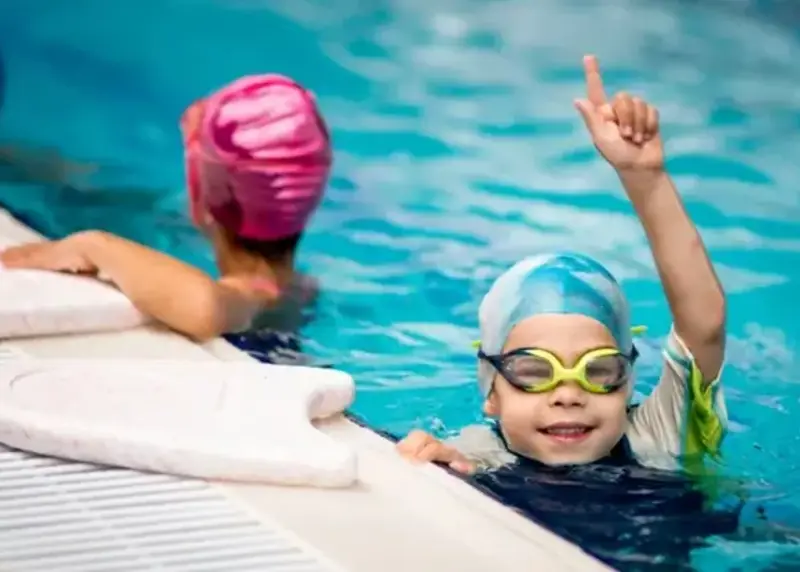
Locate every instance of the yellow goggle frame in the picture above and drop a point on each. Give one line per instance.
(560, 373)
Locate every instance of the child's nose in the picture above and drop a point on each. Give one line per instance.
(568, 394)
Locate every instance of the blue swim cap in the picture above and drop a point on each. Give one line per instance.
(558, 283)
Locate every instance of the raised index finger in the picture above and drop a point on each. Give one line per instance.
(594, 81)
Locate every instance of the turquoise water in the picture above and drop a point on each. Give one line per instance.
(458, 153)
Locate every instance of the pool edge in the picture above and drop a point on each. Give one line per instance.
(400, 517)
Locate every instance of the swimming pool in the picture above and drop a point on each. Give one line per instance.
(459, 152)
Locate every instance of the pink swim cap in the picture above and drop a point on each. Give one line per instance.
(258, 156)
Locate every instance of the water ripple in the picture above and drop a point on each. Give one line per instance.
(458, 152)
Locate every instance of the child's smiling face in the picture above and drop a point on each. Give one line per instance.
(567, 425)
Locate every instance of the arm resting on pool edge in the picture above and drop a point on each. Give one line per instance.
(182, 297)
(694, 293)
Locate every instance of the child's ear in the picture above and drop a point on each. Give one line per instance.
(490, 406)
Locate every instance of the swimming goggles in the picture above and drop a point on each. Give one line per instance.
(534, 370)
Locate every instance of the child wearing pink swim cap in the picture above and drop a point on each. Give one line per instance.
(257, 158)
(258, 155)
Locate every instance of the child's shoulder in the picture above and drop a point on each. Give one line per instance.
(300, 287)
(683, 415)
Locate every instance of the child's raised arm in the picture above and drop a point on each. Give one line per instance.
(626, 132)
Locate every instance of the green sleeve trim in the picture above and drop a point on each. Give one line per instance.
(704, 428)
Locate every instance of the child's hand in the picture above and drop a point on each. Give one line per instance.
(59, 256)
(624, 130)
(419, 447)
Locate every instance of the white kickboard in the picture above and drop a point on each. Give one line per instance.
(214, 420)
(39, 303)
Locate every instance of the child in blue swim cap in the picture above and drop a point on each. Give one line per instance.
(556, 353)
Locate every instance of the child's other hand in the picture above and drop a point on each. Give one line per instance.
(58, 256)
(419, 447)
(625, 130)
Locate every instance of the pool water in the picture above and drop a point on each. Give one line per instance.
(458, 152)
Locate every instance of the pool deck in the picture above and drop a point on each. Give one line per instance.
(400, 517)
